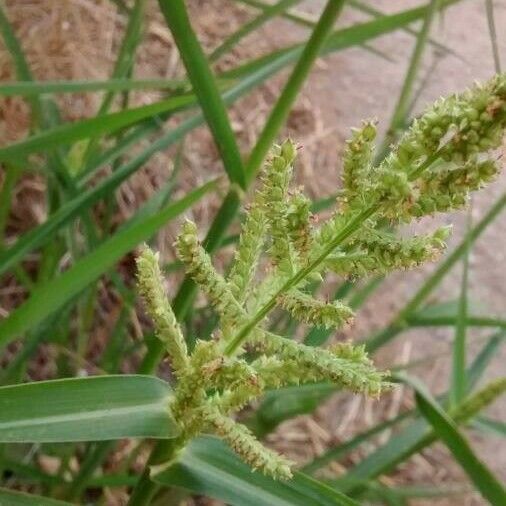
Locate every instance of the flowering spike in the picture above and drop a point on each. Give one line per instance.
(379, 252)
(242, 441)
(447, 189)
(274, 197)
(248, 253)
(435, 165)
(315, 312)
(357, 160)
(150, 283)
(327, 366)
(200, 268)
(299, 227)
(454, 130)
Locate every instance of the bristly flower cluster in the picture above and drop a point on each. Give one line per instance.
(434, 166)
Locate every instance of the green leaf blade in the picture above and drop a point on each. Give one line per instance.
(446, 429)
(86, 409)
(205, 87)
(13, 498)
(88, 128)
(208, 467)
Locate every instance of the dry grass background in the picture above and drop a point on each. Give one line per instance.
(78, 39)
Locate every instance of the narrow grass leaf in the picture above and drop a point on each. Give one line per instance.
(369, 9)
(458, 372)
(267, 14)
(34, 88)
(205, 87)
(22, 69)
(52, 295)
(493, 34)
(447, 314)
(446, 429)
(487, 353)
(106, 124)
(489, 426)
(13, 498)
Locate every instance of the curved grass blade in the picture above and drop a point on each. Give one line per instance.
(22, 69)
(13, 498)
(96, 408)
(446, 314)
(446, 430)
(205, 87)
(34, 88)
(393, 451)
(489, 426)
(105, 124)
(51, 296)
(342, 38)
(208, 467)
(363, 7)
(268, 13)
(415, 437)
(306, 21)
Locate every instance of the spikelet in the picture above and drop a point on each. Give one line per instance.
(348, 351)
(357, 160)
(150, 283)
(235, 399)
(200, 268)
(274, 196)
(298, 222)
(190, 391)
(306, 309)
(251, 451)
(280, 371)
(448, 188)
(326, 366)
(248, 252)
(479, 400)
(458, 129)
(460, 126)
(379, 252)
